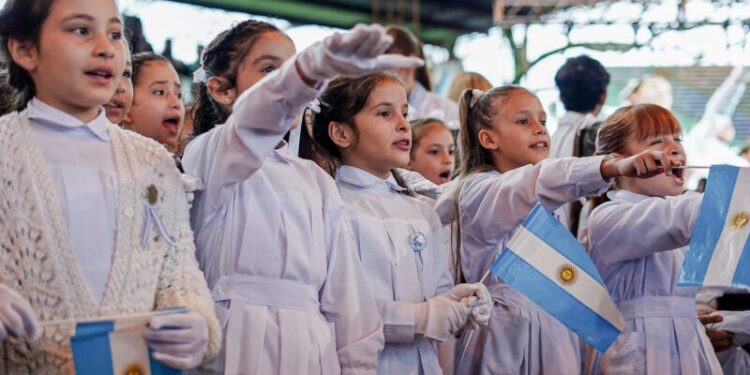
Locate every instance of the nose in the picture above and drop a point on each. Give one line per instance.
(447, 158)
(105, 47)
(403, 125)
(539, 129)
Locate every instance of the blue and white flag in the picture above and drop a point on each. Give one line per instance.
(549, 266)
(719, 250)
(117, 346)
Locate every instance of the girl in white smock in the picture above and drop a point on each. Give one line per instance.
(637, 242)
(270, 228)
(401, 241)
(504, 174)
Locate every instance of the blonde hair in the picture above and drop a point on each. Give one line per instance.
(467, 80)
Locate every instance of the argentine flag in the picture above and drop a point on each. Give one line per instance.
(546, 264)
(116, 346)
(719, 250)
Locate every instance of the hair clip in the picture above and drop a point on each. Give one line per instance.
(316, 105)
(475, 95)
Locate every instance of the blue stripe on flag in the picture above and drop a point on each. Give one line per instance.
(742, 273)
(553, 233)
(158, 368)
(90, 346)
(522, 276)
(711, 218)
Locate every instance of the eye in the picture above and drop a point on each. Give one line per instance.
(115, 35)
(127, 74)
(405, 114)
(158, 92)
(522, 121)
(678, 139)
(543, 122)
(268, 69)
(655, 142)
(179, 95)
(451, 152)
(383, 114)
(80, 30)
(434, 152)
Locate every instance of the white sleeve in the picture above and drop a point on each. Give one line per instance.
(232, 152)
(649, 226)
(495, 205)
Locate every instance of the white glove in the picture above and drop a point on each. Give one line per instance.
(17, 319)
(356, 52)
(481, 307)
(440, 317)
(179, 340)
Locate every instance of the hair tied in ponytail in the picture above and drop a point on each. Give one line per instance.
(475, 95)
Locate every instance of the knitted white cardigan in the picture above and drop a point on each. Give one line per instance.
(36, 258)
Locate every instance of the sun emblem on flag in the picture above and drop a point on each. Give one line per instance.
(739, 220)
(134, 369)
(567, 274)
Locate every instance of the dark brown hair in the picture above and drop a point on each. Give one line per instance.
(140, 60)
(342, 100)
(222, 58)
(474, 118)
(407, 44)
(21, 20)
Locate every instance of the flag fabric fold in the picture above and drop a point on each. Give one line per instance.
(117, 346)
(545, 263)
(719, 250)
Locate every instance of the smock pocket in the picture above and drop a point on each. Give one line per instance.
(507, 342)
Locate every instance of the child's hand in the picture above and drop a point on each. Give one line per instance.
(721, 340)
(355, 52)
(646, 164)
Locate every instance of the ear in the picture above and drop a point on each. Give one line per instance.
(341, 134)
(219, 91)
(487, 139)
(24, 53)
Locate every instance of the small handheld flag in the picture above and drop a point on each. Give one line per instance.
(117, 346)
(545, 263)
(719, 250)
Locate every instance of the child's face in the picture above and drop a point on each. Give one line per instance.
(121, 102)
(382, 131)
(157, 110)
(661, 185)
(432, 156)
(80, 57)
(267, 54)
(518, 134)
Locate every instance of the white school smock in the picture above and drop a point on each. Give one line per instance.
(275, 245)
(427, 104)
(638, 244)
(521, 338)
(86, 186)
(385, 222)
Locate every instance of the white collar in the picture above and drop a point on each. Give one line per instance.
(627, 196)
(366, 180)
(47, 115)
